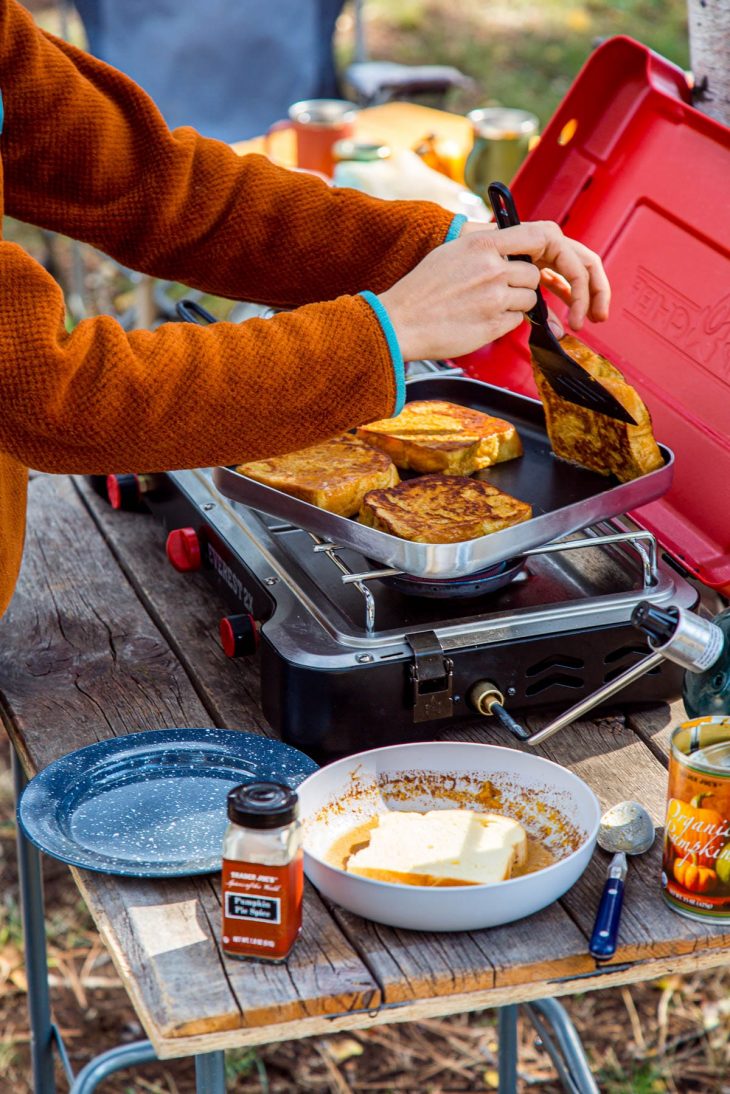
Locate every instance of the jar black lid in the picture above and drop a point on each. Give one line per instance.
(262, 805)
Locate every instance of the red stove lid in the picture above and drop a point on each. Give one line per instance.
(629, 167)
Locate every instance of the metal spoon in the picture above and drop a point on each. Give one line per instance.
(625, 829)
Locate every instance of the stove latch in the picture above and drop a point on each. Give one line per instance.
(432, 678)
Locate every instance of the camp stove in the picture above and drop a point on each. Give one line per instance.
(354, 654)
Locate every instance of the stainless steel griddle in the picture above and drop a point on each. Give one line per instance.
(564, 498)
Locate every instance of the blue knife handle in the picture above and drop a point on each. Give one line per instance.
(605, 930)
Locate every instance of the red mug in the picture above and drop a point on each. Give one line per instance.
(318, 124)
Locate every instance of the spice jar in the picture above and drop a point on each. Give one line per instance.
(262, 872)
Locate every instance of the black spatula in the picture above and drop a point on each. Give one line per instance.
(566, 377)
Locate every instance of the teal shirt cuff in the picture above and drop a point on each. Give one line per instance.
(399, 368)
(455, 229)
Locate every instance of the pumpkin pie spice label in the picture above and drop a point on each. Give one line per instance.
(262, 908)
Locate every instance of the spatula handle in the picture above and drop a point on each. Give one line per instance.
(505, 214)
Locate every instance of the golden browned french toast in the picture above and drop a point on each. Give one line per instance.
(334, 475)
(594, 440)
(433, 435)
(442, 509)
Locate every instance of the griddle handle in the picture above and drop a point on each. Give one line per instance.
(505, 214)
(190, 311)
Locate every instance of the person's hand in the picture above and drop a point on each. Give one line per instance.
(465, 293)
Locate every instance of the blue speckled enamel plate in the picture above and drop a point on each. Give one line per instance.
(150, 804)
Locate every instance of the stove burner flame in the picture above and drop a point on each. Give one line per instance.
(458, 588)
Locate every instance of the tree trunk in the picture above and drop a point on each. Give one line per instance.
(709, 47)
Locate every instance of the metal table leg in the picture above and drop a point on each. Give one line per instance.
(116, 1059)
(507, 1036)
(210, 1073)
(559, 1038)
(548, 1017)
(34, 941)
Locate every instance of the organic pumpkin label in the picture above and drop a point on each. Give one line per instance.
(696, 863)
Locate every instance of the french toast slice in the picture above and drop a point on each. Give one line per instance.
(434, 435)
(441, 847)
(442, 509)
(594, 440)
(334, 475)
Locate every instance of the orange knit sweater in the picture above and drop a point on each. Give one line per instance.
(86, 153)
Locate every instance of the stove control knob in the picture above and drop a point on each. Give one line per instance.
(239, 635)
(123, 491)
(183, 549)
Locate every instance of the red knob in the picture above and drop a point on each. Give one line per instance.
(183, 549)
(239, 635)
(123, 491)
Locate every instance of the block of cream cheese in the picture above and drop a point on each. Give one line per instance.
(441, 847)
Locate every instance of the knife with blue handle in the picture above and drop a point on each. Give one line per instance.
(602, 945)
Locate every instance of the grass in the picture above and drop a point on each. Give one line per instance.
(523, 53)
(645, 1079)
(8, 1056)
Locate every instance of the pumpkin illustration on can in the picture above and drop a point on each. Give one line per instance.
(696, 868)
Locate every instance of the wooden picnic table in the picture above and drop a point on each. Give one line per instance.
(104, 638)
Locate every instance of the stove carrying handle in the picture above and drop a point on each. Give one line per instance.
(639, 669)
(488, 700)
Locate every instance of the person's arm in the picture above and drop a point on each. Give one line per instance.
(85, 152)
(99, 400)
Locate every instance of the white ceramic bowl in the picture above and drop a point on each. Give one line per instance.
(549, 800)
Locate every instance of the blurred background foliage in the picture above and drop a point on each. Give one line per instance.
(522, 53)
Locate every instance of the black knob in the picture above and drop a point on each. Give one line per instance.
(239, 635)
(659, 624)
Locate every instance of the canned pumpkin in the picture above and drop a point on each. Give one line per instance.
(696, 873)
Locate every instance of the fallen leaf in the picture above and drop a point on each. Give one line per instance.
(343, 1048)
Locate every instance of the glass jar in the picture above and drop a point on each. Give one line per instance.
(502, 138)
(262, 872)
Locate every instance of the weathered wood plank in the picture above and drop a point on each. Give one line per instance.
(324, 974)
(167, 956)
(187, 608)
(654, 724)
(436, 1006)
(81, 660)
(411, 965)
